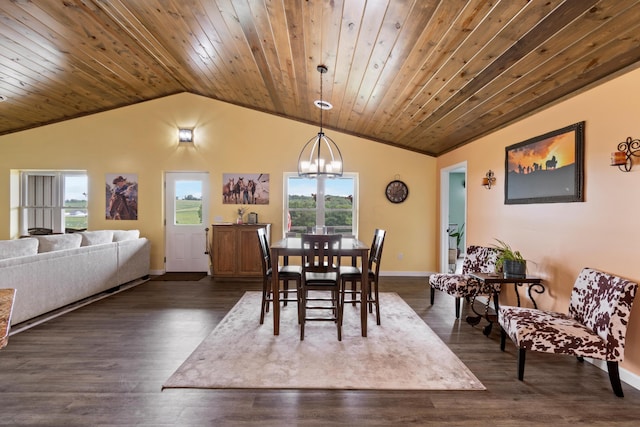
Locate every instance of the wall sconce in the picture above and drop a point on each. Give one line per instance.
(489, 180)
(185, 135)
(622, 157)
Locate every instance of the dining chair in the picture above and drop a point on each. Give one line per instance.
(321, 274)
(595, 326)
(286, 274)
(479, 259)
(353, 274)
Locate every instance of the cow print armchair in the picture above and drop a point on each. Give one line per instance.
(479, 259)
(594, 327)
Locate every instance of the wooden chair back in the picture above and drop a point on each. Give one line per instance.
(321, 252)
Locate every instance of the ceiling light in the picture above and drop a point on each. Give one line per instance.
(320, 156)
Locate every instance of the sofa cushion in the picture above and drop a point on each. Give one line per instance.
(121, 235)
(98, 237)
(57, 242)
(17, 248)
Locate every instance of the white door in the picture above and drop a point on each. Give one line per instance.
(187, 215)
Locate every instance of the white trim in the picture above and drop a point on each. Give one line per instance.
(424, 274)
(444, 211)
(626, 376)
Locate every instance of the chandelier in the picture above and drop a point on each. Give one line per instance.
(320, 156)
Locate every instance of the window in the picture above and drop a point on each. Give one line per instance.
(187, 209)
(329, 204)
(54, 200)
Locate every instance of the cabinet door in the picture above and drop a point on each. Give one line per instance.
(249, 263)
(224, 250)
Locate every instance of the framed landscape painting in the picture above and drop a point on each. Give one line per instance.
(546, 169)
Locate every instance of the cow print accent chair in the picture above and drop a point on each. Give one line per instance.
(479, 259)
(594, 327)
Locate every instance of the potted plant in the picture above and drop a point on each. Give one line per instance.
(510, 262)
(458, 233)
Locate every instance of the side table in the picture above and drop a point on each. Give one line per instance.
(534, 285)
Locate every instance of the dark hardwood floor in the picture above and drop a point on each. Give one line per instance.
(104, 364)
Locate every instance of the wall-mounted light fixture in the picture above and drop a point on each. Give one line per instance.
(185, 135)
(489, 180)
(622, 157)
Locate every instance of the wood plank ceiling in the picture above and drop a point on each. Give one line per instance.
(425, 75)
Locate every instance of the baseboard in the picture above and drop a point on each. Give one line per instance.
(424, 274)
(627, 377)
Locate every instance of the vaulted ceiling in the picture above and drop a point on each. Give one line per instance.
(425, 75)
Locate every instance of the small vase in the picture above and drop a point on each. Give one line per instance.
(515, 269)
(239, 219)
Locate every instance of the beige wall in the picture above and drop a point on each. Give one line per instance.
(141, 139)
(562, 238)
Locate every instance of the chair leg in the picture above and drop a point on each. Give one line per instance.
(285, 292)
(303, 312)
(433, 294)
(354, 288)
(336, 301)
(614, 377)
(377, 302)
(457, 301)
(298, 293)
(503, 338)
(521, 357)
(264, 306)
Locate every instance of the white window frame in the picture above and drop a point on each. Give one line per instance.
(320, 193)
(53, 207)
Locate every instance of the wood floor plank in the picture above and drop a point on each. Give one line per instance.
(104, 365)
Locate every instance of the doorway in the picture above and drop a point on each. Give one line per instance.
(453, 215)
(187, 213)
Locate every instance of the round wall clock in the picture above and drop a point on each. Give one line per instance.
(397, 191)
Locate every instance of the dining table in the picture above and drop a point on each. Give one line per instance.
(292, 247)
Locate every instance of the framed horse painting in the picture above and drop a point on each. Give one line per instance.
(546, 169)
(245, 188)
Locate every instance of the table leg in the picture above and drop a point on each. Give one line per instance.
(538, 288)
(473, 320)
(487, 329)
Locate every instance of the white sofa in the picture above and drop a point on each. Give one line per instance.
(50, 272)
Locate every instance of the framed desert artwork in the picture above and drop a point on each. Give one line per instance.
(546, 169)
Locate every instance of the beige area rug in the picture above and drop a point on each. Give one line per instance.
(401, 354)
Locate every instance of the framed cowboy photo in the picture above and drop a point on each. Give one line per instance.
(121, 196)
(546, 169)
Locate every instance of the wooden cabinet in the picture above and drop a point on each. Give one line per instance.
(235, 252)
